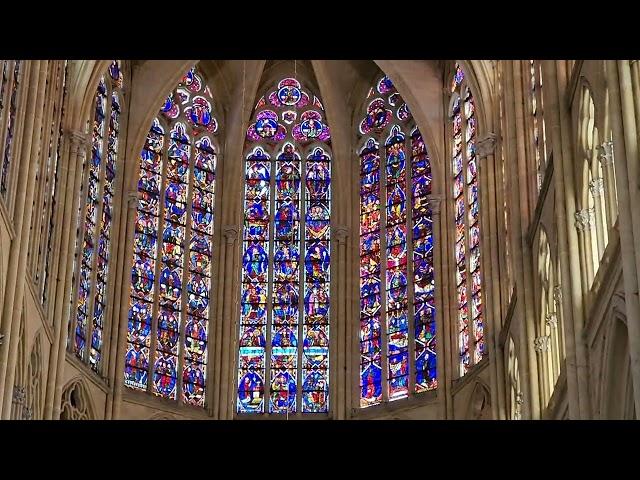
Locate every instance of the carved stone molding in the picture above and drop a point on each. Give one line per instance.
(1, 338)
(541, 343)
(585, 219)
(79, 141)
(230, 233)
(340, 233)
(27, 413)
(557, 294)
(596, 186)
(19, 395)
(486, 145)
(605, 154)
(434, 202)
(551, 319)
(132, 199)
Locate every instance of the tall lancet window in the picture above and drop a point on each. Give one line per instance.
(283, 356)
(170, 307)
(397, 306)
(94, 239)
(539, 132)
(467, 222)
(9, 97)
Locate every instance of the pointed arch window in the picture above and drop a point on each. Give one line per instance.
(170, 309)
(539, 132)
(468, 276)
(93, 239)
(283, 355)
(397, 303)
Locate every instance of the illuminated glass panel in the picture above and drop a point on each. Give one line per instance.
(173, 243)
(285, 257)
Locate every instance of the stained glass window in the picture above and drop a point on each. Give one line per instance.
(11, 78)
(468, 276)
(95, 221)
(397, 303)
(169, 312)
(285, 256)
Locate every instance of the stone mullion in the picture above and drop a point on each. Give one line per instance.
(75, 147)
(384, 330)
(43, 172)
(411, 321)
(9, 322)
(164, 156)
(186, 255)
(52, 230)
(17, 250)
(610, 197)
(596, 187)
(625, 148)
(341, 383)
(271, 240)
(302, 248)
(583, 227)
(226, 408)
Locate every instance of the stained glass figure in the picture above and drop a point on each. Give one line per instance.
(95, 223)
(395, 184)
(466, 216)
(285, 266)
(171, 277)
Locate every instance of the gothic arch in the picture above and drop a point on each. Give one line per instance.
(479, 407)
(76, 401)
(19, 392)
(35, 379)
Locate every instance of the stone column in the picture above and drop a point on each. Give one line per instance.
(584, 226)
(75, 147)
(124, 289)
(229, 316)
(560, 128)
(610, 197)
(486, 147)
(339, 338)
(596, 187)
(444, 373)
(625, 152)
(19, 247)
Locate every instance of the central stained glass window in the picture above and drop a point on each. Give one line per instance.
(283, 356)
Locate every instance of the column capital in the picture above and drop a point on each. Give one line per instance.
(596, 186)
(486, 145)
(551, 319)
(585, 219)
(340, 233)
(230, 233)
(77, 140)
(19, 395)
(434, 201)
(605, 153)
(541, 343)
